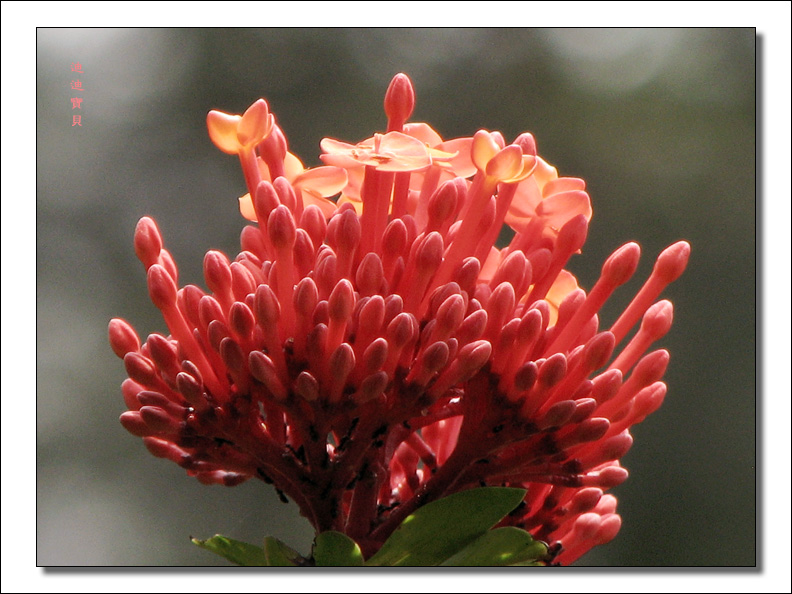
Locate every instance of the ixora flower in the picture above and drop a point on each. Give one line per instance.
(378, 355)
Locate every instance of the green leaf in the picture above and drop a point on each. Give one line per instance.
(442, 528)
(274, 553)
(500, 547)
(279, 554)
(334, 549)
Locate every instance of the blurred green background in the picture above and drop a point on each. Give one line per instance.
(661, 123)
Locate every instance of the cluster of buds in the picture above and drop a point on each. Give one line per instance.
(375, 352)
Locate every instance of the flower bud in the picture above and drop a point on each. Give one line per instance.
(399, 101)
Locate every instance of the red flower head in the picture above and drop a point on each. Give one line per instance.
(371, 357)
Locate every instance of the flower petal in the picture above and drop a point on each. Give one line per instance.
(292, 166)
(423, 132)
(506, 164)
(490, 266)
(564, 284)
(328, 207)
(333, 146)
(341, 160)
(483, 149)
(246, 208)
(544, 173)
(563, 184)
(256, 124)
(322, 181)
(462, 164)
(523, 206)
(557, 209)
(357, 203)
(393, 151)
(223, 131)
(400, 152)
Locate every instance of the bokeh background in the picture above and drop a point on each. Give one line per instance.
(661, 123)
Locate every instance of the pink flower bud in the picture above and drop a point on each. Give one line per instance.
(140, 369)
(511, 270)
(162, 289)
(442, 207)
(210, 310)
(598, 350)
(651, 368)
(123, 338)
(242, 281)
(657, 319)
(375, 356)
(265, 200)
(189, 300)
(399, 101)
(672, 261)
(369, 275)
(158, 420)
(606, 478)
(148, 241)
(130, 390)
(500, 307)
(281, 228)
(371, 387)
(134, 423)
(217, 272)
(583, 409)
(472, 357)
(557, 415)
(341, 363)
(394, 241)
(585, 500)
(241, 320)
(341, 301)
(286, 193)
(306, 386)
(267, 306)
(233, 357)
(526, 376)
(472, 327)
(164, 354)
(151, 398)
(552, 370)
(314, 223)
(606, 385)
(191, 389)
(401, 330)
(263, 369)
(306, 297)
(621, 265)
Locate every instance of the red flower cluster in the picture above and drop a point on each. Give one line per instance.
(375, 353)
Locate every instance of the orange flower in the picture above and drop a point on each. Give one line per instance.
(501, 164)
(546, 197)
(314, 185)
(256, 131)
(459, 163)
(416, 150)
(233, 133)
(393, 151)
